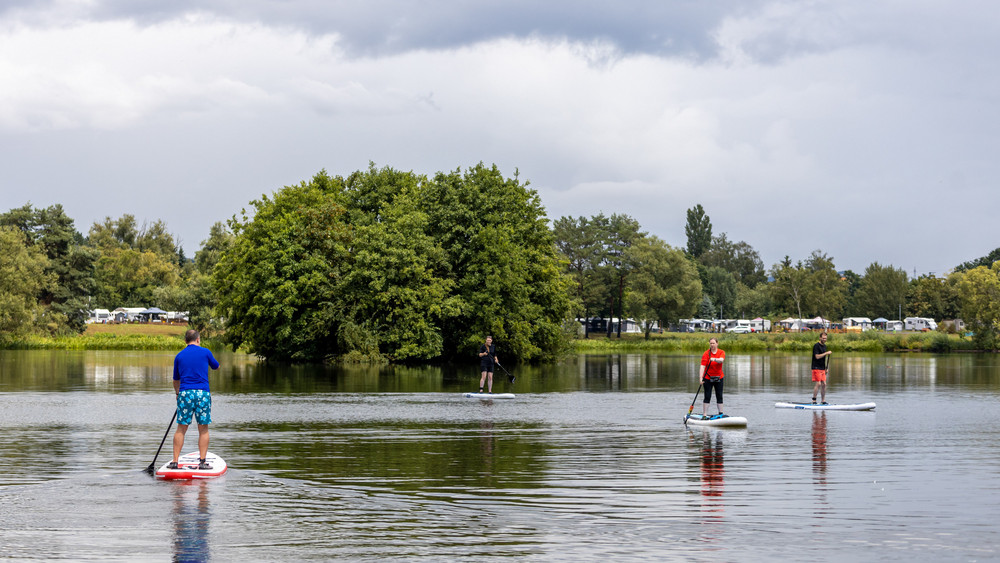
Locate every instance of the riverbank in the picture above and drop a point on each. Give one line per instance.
(126, 336)
(871, 341)
(171, 337)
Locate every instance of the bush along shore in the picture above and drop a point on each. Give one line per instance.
(871, 341)
(103, 341)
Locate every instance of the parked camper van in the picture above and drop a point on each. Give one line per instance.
(739, 326)
(919, 323)
(894, 326)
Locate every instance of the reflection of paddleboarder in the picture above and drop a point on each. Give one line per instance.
(191, 518)
(819, 444)
(712, 466)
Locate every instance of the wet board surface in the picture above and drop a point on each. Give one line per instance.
(711, 420)
(826, 407)
(187, 468)
(489, 395)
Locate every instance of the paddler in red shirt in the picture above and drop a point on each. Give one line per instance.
(711, 374)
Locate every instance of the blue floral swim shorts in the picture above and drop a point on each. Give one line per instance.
(195, 403)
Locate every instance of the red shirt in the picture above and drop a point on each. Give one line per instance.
(714, 369)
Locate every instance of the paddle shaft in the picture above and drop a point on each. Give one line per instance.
(509, 376)
(691, 408)
(152, 466)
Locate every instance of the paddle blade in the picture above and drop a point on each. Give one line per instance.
(510, 378)
(149, 470)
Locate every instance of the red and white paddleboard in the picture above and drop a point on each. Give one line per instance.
(187, 468)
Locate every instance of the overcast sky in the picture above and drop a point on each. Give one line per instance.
(865, 129)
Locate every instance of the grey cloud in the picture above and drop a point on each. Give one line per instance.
(381, 27)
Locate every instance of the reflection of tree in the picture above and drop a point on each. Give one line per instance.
(191, 518)
(819, 446)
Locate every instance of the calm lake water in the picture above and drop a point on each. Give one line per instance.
(590, 462)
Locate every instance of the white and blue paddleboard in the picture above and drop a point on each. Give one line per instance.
(826, 407)
(187, 468)
(489, 395)
(716, 420)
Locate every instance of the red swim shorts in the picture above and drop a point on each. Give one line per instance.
(819, 375)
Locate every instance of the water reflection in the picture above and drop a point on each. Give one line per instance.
(192, 515)
(125, 371)
(819, 448)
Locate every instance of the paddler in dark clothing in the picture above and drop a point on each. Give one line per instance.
(487, 357)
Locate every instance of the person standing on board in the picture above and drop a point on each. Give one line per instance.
(819, 356)
(194, 400)
(711, 374)
(487, 357)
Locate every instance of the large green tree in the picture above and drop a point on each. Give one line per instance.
(980, 289)
(664, 285)
(580, 242)
(720, 285)
(881, 291)
(790, 286)
(23, 275)
(133, 262)
(390, 264)
(278, 280)
(698, 230)
(934, 297)
(738, 258)
(503, 258)
(70, 262)
(826, 293)
(621, 234)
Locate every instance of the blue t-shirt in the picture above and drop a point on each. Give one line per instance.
(191, 367)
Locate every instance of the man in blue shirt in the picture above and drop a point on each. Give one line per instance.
(194, 400)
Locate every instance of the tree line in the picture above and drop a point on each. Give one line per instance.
(385, 265)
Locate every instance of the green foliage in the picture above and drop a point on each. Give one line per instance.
(132, 263)
(809, 289)
(278, 281)
(698, 230)
(389, 265)
(23, 277)
(581, 244)
(980, 288)
(66, 299)
(881, 291)
(502, 255)
(664, 285)
(755, 302)
(738, 258)
(986, 261)
(721, 286)
(937, 298)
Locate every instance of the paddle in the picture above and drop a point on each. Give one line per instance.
(152, 466)
(691, 408)
(509, 376)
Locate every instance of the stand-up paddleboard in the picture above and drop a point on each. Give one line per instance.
(187, 468)
(489, 395)
(716, 420)
(826, 407)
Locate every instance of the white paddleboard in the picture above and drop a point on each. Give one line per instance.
(187, 468)
(822, 407)
(489, 395)
(714, 420)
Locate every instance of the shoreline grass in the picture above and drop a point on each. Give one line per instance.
(871, 341)
(128, 336)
